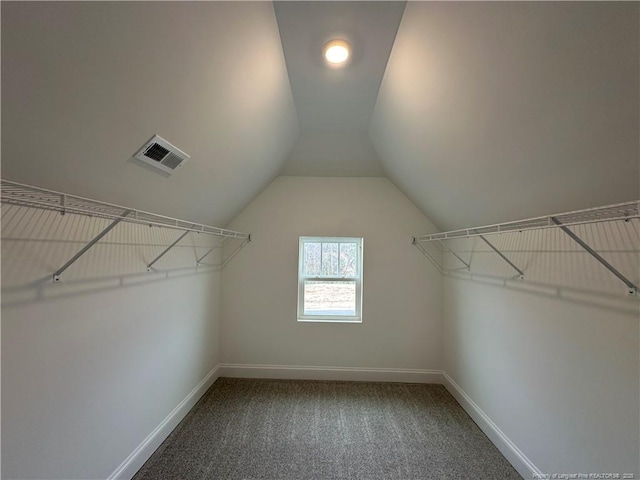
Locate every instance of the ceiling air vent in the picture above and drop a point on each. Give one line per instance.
(160, 154)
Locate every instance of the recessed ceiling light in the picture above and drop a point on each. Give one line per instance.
(337, 52)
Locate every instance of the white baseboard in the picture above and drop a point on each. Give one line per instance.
(512, 453)
(330, 373)
(141, 454)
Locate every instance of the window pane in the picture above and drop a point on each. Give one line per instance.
(348, 259)
(312, 259)
(330, 259)
(330, 298)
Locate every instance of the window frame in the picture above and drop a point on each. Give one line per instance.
(302, 277)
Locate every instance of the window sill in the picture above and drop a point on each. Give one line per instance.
(329, 320)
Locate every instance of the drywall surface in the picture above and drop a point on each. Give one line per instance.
(209, 77)
(333, 154)
(495, 111)
(556, 371)
(90, 366)
(401, 292)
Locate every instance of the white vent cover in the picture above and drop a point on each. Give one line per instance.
(160, 154)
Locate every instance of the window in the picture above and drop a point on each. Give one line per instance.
(330, 279)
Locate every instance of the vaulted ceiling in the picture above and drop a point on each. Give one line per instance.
(335, 106)
(499, 111)
(85, 84)
(479, 112)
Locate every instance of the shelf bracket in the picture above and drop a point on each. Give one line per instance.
(454, 254)
(166, 250)
(424, 252)
(520, 272)
(246, 240)
(226, 260)
(199, 260)
(96, 239)
(632, 288)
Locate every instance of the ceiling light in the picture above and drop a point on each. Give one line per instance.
(337, 52)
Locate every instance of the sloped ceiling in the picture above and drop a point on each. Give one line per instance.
(85, 84)
(490, 112)
(480, 112)
(334, 106)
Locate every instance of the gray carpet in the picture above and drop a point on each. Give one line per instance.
(289, 429)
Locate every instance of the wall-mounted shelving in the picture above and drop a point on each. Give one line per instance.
(446, 252)
(18, 194)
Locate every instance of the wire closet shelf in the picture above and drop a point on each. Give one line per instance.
(21, 195)
(608, 213)
(435, 245)
(14, 193)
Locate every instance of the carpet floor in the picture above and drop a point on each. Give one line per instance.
(291, 429)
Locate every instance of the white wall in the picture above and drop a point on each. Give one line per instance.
(554, 366)
(92, 365)
(401, 297)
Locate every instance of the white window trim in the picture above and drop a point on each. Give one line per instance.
(357, 318)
